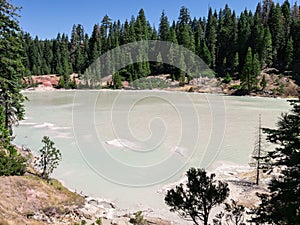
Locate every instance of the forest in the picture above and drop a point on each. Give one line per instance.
(233, 46)
(237, 47)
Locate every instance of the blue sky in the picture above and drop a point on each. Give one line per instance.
(46, 18)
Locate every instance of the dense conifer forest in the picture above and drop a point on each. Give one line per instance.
(234, 46)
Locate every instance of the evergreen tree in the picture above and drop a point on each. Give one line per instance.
(117, 82)
(194, 200)
(183, 29)
(244, 33)
(154, 35)
(281, 205)
(56, 63)
(266, 8)
(198, 37)
(296, 39)
(236, 63)
(95, 44)
(288, 54)
(141, 27)
(226, 40)
(211, 35)
(267, 49)
(286, 12)
(11, 67)
(206, 55)
(47, 56)
(164, 27)
(49, 158)
(276, 28)
(250, 71)
(172, 36)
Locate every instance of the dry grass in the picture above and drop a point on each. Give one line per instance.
(22, 197)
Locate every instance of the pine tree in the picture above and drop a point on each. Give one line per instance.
(11, 67)
(164, 27)
(266, 8)
(35, 56)
(172, 36)
(49, 158)
(256, 70)
(244, 33)
(211, 35)
(276, 28)
(195, 199)
(198, 36)
(286, 12)
(296, 59)
(236, 63)
(267, 49)
(95, 44)
(227, 33)
(117, 82)
(141, 27)
(206, 55)
(288, 54)
(247, 71)
(154, 35)
(47, 56)
(183, 29)
(281, 205)
(56, 63)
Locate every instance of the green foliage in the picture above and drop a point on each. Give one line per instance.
(11, 65)
(164, 27)
(227, 79)
(281, 204)
(49, 157)
(222, 41)
(149, 83)
(281, 89)
(11, 164)
(195, 199)
(117, 82)
(73, 84)
(263, 82)
(234, 214)
(98, 221)
(138, 219)
(250, 71)
(61, 82)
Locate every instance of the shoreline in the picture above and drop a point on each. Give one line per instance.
(234, 174)
(50, 90)
(240, 178)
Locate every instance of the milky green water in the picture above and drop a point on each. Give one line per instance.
(125, 146)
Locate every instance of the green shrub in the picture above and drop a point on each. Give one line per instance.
(11, 164)
(227, 79)
(138, 219)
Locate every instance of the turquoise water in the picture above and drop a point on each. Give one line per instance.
(126, 145)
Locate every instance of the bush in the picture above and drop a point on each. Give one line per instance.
(12, 164)
(49, 158)
(227, 79)
(138, 219)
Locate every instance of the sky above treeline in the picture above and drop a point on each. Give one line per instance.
(46, 18)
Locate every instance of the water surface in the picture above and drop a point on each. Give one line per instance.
(126, 145)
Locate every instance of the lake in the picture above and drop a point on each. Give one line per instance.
(126, 145)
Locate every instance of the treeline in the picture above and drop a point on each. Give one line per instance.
(233, 46)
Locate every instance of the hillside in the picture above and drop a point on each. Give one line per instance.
(276, 85)
(31, 200)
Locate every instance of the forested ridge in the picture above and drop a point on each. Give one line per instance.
(232, 45)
